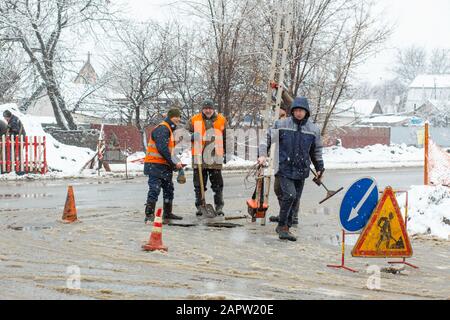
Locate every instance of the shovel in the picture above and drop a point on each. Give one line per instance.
(207, 210)
(330, 193)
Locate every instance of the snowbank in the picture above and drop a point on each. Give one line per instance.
(428, 210)
(63, 160)
(376, 156)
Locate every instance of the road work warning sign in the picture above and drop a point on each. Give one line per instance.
(385, 234)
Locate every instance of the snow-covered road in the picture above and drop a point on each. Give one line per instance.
(248, 262)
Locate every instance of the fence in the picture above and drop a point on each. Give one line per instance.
(23, 154)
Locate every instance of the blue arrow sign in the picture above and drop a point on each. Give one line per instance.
(358, 204)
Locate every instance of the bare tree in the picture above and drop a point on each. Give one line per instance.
(183, 71)
(10, 73)
(439, 61)
(409, 63)
(361, 37)
(228, 44)
(136, 70)
(37, 27)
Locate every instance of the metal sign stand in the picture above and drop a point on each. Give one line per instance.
(342, 265)
(406, 227)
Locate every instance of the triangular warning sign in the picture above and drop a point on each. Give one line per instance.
(385, 234)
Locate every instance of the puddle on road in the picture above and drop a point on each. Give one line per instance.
(9, 210)
(29, 228)
(19, 195)
(222, 225)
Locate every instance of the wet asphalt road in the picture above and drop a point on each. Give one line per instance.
(248, 262)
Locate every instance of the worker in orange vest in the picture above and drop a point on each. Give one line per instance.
(208, 133)
(160, 162)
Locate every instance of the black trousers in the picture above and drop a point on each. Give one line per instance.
(290, 199)
(279, 194)
(215, 176)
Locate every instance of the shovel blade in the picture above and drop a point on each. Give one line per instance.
(208, 211)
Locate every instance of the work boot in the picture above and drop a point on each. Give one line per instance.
(198, 213)
(284, 234)
(274, 218)
(167, 213)
(149, 212)
(295, 222)
(219, 203)
(278, 229)
(219, 210)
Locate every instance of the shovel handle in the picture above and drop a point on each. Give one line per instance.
(200, 176)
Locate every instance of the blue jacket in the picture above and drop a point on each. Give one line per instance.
(15, 127)
(299, 143)
(161, 136)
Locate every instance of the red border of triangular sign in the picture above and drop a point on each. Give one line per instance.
(408, 252)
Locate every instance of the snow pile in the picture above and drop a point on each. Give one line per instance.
(63, 159)
(428, 210)
(376, 156)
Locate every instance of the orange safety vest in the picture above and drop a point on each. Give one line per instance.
(153, 155)
(198, 124)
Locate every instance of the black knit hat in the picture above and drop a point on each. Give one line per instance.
(7, 114)
(174, 112)
(208, 103)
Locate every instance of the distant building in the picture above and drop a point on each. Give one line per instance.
(87, 74)
(388, 120)
(350, 112)
(428, 91)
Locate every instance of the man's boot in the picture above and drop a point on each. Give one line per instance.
(295, 221)
(149, 212)
(219, 203)
(274, 218)
(198, 213)
(167, 213)
(198, 202)
(284, 234)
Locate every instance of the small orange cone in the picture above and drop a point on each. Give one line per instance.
(70, 210)
(155, 242)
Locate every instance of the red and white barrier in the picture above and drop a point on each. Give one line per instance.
(23, 154)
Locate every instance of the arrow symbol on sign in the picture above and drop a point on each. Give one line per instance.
(355, 211)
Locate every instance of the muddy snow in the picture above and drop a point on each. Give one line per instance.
(38, 255)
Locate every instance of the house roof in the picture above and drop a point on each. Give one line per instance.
(356, 108)
(431, 81)
(385, 119)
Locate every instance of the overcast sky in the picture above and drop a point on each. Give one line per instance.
(420, 22)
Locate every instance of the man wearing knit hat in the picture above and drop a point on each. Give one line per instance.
(15, 126)
(299, 143)
(160, 162)
(208, 133)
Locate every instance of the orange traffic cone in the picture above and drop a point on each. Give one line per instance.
(70, 210)
(155, 242)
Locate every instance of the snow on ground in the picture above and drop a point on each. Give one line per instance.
(376, 156)
(428, 210)
(63, 160)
